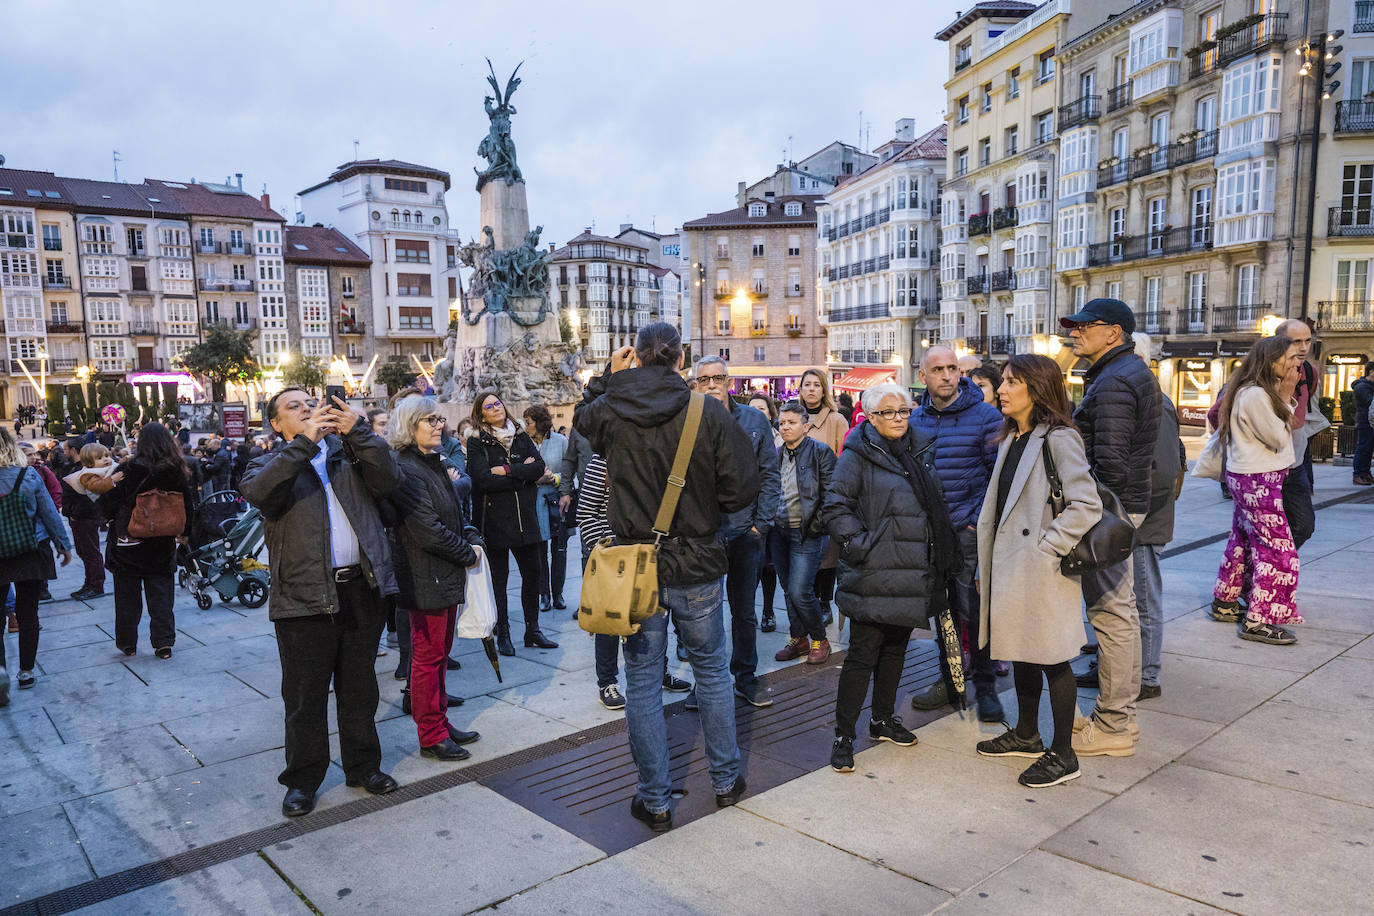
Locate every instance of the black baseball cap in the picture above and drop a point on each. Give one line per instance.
(1109, 311)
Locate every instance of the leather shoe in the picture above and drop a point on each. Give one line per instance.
(376, 783)
(537, 640)
(658, 823)
(728, 798)
(297, 802)
(447, 749)
(503, 644)
(452, 664)
(458, 736)
(558, 604)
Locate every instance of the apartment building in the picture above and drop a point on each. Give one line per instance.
(603, 287)
(1178, 184)
(328, 296)
(665, 271)
(997, 214)
(1340, 297)
(878, 262)
(755, 303)
(395, 212)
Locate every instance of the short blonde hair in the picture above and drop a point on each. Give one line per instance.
(10, 454)
(92, 452)
(406, 415)
(873, 396)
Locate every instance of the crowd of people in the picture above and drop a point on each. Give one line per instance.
(968, 502)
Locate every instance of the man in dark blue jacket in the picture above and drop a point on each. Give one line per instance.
(966, 430)
(746, 531)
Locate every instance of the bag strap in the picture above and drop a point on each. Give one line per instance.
(1052, 472)
(17, 481)
(677, 477)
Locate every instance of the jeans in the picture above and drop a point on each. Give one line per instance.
(877, 653)
(26, 609)
(129, 589)
(964, 604)
(701, 629)
(315, 651)
(1149, 603)
(1110, 596)
(1297, 504)
(796, 557)
(745, 554)
(527, 559)
(431, 641)
(86, 536)
(1364, 448)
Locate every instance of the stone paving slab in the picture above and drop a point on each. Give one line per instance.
(1216, 691)
(40, 853)
(1040, 882)
(571, 700)
(1198, 636)
(454, 851)
(242, 887)
(99, 713)
(911, 810)
(65, 638)
(1230, 842)
(1363, 649)
(195, 660)
(730, 863)
(238, 731)
(1341, 684)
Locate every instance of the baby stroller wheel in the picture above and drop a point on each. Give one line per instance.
(203, 602)
(252, 592)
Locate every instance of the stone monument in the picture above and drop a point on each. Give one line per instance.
(508, 334)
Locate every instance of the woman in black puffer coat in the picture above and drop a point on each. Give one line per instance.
(505, 467)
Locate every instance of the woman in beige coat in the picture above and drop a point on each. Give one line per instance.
(1030, 609)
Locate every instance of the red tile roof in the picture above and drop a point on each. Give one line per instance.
(395, 166)
(775, 215)
(116, 197)
(322, 244)
(17, 187)
(199, 200)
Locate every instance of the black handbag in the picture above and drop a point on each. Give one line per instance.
(1107, 543)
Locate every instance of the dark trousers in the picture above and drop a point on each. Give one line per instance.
(745, 554)
(527, 559)
(129, 591)
(314, 651)
(402, 618)
(26, 609)
(1297, 503)
(553, 559)
(86, 534)
(964, 603)
(1364, 449)
(877, 652)
(432, 635)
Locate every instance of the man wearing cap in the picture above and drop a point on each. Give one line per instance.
(1119, 421)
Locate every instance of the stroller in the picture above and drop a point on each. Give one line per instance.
(226, 537)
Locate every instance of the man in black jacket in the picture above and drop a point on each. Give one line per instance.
(1119, 421)
(85, 519)
(634, 416)
(331, 566)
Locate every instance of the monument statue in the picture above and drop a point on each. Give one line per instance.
(497, 147)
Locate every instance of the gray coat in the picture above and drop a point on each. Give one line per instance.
(1030, 611)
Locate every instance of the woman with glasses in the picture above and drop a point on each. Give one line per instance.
(434, 550)
(506, 467)
(898, 554)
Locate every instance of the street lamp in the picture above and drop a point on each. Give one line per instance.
(1319, 59)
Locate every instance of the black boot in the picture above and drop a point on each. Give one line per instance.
(534, 639)
(503, 645)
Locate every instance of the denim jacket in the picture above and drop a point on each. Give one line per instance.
(38, 505)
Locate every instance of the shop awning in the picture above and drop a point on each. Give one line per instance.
(1184, 348)
(859, 379)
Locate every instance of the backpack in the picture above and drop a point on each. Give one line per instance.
(157, 514)
(16, 528)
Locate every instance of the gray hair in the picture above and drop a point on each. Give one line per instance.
(872, 397)
(405, 417)
(707, 360)
(1144, 346)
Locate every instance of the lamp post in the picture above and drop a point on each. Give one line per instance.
(1319, 61)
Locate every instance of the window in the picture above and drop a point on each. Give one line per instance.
(794, 354)
(724, 353)
(963, 110)
(1044, 127)
(1044, 66)
(722, 282)
(346, 286)
(760, 281)
(792, 208)
(987, 97)
(756, 247)
(1152, 293)
(1014, 83)
(963, 54)
(1247, 285)
(1159, 129)
(760, 354)
(1116, 224)
(794, 246)
(1197, 298)
(1011, 141)
(240, 272)
(1246, 187)
(1250, 102)
(1357, 193)
(242, 318)
(52, 237)
(961, 162)
(132, 237)
(56, 274)
(1157, 221)
(207, 238)
(212, 312)
(1352, 280)
(413, 285)
(794, 287)
(1080, 293)
(1114, 290)
(405, 184)
(901, 242)
(1201, 215)
(722, 247)
(415, 318)
(1205, 113)
(410, 251)
(1077, 152)
(236, 238)
(985, 151)
(1121, 143)
(758, 209)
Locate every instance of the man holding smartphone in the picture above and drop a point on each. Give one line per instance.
(326, 598)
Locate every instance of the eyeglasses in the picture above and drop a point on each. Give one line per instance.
(434, 420)
(492, 405)
(712, 379)
(900, 413)
(1090, 324)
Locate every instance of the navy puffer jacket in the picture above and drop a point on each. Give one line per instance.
(966, 439)
(1119, 421)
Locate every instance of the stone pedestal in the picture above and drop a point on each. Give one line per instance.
(505, 211)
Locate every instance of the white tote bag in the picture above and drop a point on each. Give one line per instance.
(1209, 464)
(478, 619)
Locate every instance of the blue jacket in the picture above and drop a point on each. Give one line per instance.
(760, 514)
(966, 439)
(38, 505)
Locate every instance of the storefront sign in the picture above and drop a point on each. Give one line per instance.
(1195, 365)
(1192, 416)
(235, 417)
(1346, 359)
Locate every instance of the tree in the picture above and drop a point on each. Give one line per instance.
(395, 376)
(223, 356)
(304, 372)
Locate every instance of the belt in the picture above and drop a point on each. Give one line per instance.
(348, 573)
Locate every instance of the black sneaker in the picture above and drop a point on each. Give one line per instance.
(892, 730)
(675, 684)
(754, 694)
(770, 623)
(611, 697)
(690, 702)
(1148, 692)
(1010, 744)
(990, 707)
(658, 823)
(1050, 770)
(842, 755)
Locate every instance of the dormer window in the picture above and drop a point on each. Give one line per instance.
(756, 209)
(792, 208)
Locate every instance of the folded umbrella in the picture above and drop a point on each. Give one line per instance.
(489, 644)
(947, 635)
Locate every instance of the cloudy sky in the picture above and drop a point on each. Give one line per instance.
(629, 111)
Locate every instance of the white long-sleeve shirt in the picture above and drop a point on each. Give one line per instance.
(1259, 441)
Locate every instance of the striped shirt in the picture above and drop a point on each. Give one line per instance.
(593, 520)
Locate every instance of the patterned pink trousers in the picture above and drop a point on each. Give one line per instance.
(1260, 557)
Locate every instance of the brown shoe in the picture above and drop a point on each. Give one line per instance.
(820, 651)
(796, 647)
(14, 623)
(1363, 480)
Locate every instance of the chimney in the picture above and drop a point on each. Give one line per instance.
(626, 226)
(266, 200)
(239, 177)
(551, 247)
(906, 129)
(769, 196)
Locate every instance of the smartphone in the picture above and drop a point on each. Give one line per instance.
(334, 391)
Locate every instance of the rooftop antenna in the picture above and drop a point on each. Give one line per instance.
(789, 149)
(114, 155)
(868, 135)
(355, 150)
(861, 127)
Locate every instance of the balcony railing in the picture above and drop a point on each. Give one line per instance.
(57, 282)
(1346, 314)
(1354, 117)
(930, 306)
(221, 284)
(139, 326)
(1190, 321)
(1364, 16)
(233, 324)
(757, 329)
(63, 363)
(1181, 240)
(1203, 146)
(1118, 97)
(351, 327)
(1002, 279)
(978, 344)
(52, 244)
(861, 312)
(1239, 319)
(237, 248)
(977, 284)
(1270, 29)
(1003, 217)
(1350, 222)
(1080, 111)
(63, 327)
(1002, 344)
(979, 224)
(1114, 173)
(1157, 322)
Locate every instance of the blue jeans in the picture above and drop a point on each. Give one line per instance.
(796, 558)
(1364, 447)
(697, 611)
(745, 553)
(1149, 601)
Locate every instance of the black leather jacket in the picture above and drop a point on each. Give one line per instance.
(815, 464)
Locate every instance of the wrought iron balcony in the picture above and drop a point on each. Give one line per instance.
(1080, 111)
(57, 282)
(1157, 322)
(1364, 16)
(1203, 146)
(1118, 97)
(1239, 319)
(1002, 280)
(63, 363)
(52, 244)
(350, 326)
(144, 328)
(221, 284)
(866, 312)
(1346, 314)
(1354, 117)
(978, 344)
(979, 224)
(1115, 173)
(1350, 222)
(930, 306)
(1265, 31)
(63, 327)
(977, 284)
(1181, 240)
(1003, 217)
(235, 248)
(1002, 344)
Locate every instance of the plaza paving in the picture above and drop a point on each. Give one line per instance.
(1249, 791)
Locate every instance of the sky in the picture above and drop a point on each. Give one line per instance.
(629, 112)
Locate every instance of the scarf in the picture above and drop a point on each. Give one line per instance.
(947, 557)
(505, 435)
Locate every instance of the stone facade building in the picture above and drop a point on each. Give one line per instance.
(603, 286)
(328, 294)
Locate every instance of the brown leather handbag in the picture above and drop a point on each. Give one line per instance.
(158, 514)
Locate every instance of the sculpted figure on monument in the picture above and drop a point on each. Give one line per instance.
(497, 147)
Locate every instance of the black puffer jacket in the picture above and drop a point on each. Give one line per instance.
(635, 418)
(504, 505)
(433, 538)
(1119, 421)
(883, 534)
(815, 467)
